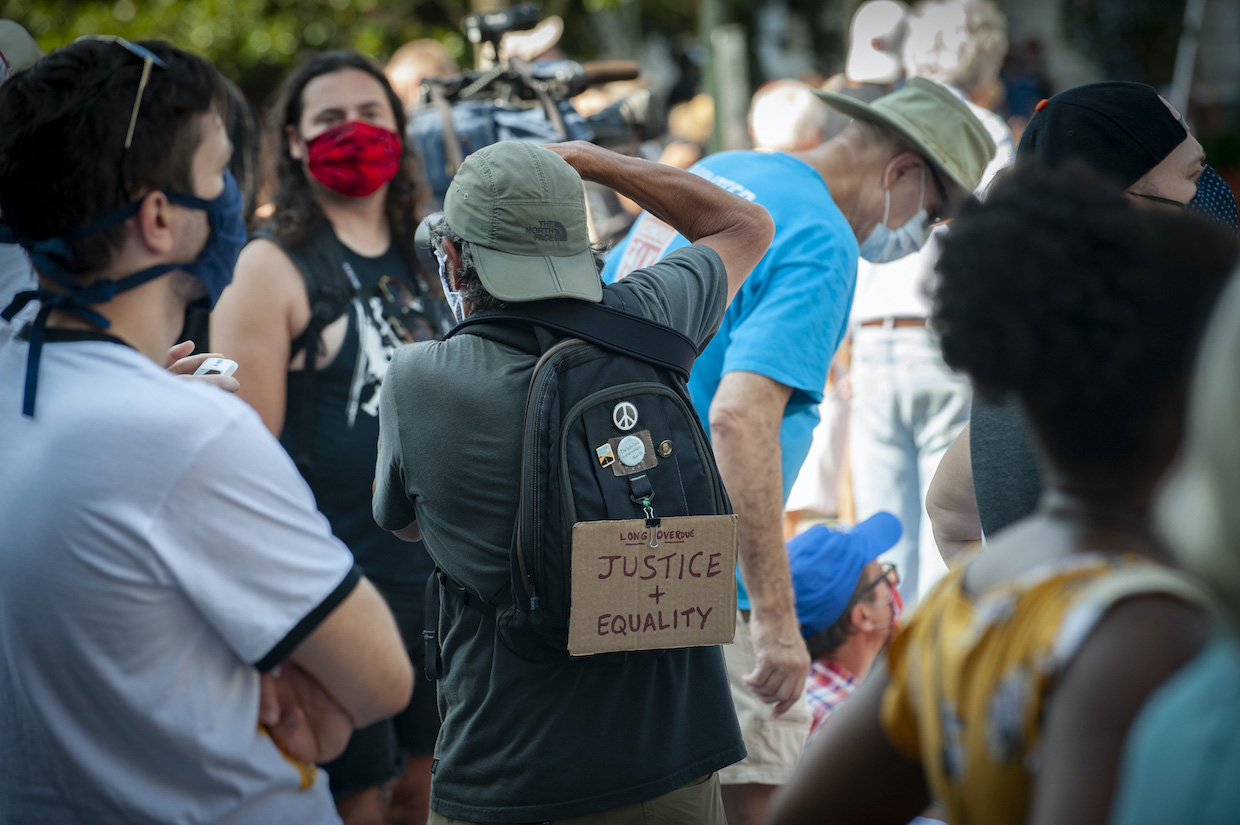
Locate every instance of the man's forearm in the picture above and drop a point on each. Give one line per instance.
(751, 473)
(744, 421)
(693, 206)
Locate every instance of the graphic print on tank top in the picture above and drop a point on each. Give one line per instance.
(387, 314)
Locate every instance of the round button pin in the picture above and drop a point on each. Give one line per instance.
(631, 450)
(665, 449)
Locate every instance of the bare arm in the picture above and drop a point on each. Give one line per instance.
(255, 322)
(410, 532)
(356, 654)
(745, 417)
(851, 774)
(739, 230)
(1135, 648)
(950, 502)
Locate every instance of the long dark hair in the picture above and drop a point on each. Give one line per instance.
(296, 214)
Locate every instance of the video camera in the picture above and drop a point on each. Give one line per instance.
(519, 100)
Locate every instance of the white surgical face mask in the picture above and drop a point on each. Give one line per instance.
(454, 297)
(885, 244)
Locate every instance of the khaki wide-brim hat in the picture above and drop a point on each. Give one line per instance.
(931, 119)
(522, 209)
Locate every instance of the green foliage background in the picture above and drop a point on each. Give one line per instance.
(252, 41)
(255, 42)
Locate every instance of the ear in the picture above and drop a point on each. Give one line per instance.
(155, 224)
(899, 166)
(296, 146)
(454, 264)
(861, 618)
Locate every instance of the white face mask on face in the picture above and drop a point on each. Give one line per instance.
(454, 297)
(885, 244)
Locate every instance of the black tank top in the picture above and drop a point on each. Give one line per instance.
(386, 311)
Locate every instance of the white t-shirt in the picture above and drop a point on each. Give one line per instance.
(156, 543)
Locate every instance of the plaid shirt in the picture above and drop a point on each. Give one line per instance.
(826, 686)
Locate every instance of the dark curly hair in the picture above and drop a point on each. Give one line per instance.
(63, 161)
(1061, 291)
(296, 214)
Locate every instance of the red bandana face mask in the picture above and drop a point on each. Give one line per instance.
(354, 158)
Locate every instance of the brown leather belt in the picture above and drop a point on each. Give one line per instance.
(894, 322)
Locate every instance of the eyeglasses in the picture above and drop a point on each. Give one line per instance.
(887, 573)
(1156, 199)
(942, 190)
(149, 59)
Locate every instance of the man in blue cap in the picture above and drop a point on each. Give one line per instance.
(847, 604)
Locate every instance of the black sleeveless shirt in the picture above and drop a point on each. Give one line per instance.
(387, 310)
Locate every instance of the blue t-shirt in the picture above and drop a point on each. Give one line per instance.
(790, 314)
(1182, 755)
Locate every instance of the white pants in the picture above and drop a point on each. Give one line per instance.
(907, 408)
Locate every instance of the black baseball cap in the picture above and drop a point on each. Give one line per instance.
(1119, 128)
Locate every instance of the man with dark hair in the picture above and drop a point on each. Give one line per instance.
(165, 581)
(847, 604)
(523, 740)
(332, 275)
(873, 191)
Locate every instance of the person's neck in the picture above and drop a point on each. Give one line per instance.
(360, 223)
(842, 168)
(148, 318)
(1112, 517)
(855, 656)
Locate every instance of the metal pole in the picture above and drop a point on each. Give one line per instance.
(1186, 55)
(709, 15)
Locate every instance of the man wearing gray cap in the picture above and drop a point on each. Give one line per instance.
(522, 740)
(874, 190)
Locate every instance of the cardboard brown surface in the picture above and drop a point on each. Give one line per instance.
(628, 595)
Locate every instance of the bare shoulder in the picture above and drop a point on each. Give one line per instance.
(266, 277)
(1136, 644)
(1133, 649)
(264, 266)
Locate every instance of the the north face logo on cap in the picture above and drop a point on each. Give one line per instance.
(548, 231)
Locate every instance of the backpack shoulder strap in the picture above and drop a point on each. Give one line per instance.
(607, 326)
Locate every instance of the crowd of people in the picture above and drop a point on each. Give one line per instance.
(969, 394)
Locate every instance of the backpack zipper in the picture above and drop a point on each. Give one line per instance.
(530, 513)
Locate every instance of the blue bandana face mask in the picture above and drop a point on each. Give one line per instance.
(213, 267)
(1215, 200)
(454, 297)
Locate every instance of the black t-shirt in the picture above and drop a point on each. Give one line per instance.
(523, 741)
(1006, 480)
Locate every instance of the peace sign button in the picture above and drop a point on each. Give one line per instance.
(624, 416)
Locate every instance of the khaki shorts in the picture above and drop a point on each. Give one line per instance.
(697, 803)
(775, 744)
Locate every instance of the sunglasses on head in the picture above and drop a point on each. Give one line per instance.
(149, 59)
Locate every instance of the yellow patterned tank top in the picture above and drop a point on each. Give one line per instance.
(970, 675)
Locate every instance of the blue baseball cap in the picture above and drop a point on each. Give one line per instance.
(826, 566)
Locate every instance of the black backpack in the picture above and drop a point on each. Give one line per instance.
(604, 374)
